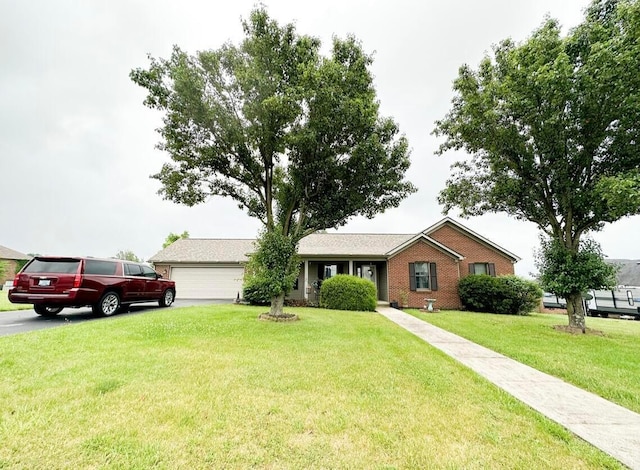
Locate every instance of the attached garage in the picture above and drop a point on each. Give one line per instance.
(207, 282)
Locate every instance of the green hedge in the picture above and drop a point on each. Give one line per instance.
(509, 295)
(345, 292)
(256, 292)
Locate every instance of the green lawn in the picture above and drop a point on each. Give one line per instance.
(6, 306)
(213, 387)
(607, 365)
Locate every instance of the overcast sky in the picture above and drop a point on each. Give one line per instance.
(77, 145)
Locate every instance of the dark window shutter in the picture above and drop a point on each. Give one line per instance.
(412, 276)
(492, 269)
(471, 268)
(434, 276)
(321, 271)
(340, 268)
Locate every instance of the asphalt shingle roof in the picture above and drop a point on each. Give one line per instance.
(217, 250)
(353, 244)
(8, 253)
(205, 250)
(629, 274)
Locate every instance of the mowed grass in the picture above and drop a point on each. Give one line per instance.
(213, 387)
(607, 364)
(6, 306)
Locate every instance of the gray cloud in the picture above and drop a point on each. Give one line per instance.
(77, 145)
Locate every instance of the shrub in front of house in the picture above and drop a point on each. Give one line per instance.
(345, 292)
(518, 296)
(256, 292)
(478, 292)
(509, 295)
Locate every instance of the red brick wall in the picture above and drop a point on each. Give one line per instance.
(447, 271)
(9, 270)
(472, 250)
(162, 268)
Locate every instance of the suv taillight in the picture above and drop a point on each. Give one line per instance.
(77, 281)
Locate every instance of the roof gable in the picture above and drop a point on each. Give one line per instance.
(470, 233)
(426, 239)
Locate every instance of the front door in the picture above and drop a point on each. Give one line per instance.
(368, 271)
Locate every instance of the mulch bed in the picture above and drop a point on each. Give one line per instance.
(577, 331)
(284, 317)
(559, 311)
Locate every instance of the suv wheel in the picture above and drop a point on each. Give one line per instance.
(47, 311)
(108, 305)
(167, 298)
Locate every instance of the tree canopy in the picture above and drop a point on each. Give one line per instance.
(127, 255)
(552, 127)
(295, 138)
(172, 237)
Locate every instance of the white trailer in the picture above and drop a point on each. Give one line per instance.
(623, 300)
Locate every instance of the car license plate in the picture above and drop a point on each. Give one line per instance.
(44, 282)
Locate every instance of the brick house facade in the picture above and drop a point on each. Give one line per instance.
(10, 258)
(409, 267)
(456, 254)
(473, 250)
(447, 271)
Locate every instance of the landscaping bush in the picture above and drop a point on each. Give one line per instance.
(256, 292)
(519, 296)
(345, 292)
(478, 291)
(509, 295)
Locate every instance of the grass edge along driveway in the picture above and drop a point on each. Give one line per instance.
(6, 306)
(212, 387)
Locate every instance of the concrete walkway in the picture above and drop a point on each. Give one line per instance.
(609, 427)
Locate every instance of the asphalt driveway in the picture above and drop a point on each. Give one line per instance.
(21, 321)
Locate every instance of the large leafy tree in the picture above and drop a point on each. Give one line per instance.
(293, 137)
(552, 126)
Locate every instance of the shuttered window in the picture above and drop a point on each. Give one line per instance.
(423, 276)
(482, 268)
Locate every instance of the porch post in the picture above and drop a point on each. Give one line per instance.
(306, 280)
(351, 267)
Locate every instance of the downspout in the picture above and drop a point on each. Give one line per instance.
(458, 261)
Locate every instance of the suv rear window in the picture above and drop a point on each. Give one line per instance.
(58, 266)
(104, 268)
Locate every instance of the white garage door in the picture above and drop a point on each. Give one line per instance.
(212, 282)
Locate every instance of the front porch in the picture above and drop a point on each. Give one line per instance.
(314, 271)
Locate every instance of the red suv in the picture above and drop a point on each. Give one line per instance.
(52, 283)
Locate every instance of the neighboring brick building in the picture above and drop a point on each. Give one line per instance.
(406, 268)
(10, 258)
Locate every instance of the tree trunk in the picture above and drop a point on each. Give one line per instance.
(575, 311)
(277, 305)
